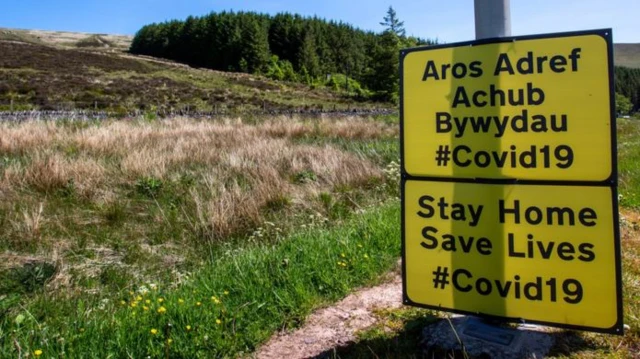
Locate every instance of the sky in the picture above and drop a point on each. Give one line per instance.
(447, 20)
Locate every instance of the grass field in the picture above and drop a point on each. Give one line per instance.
(195, 238)
(135, 239)
(229, 220)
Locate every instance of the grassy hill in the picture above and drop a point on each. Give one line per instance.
(57, 70)
(61, 70)
(627, 55)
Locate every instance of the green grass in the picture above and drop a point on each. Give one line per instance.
(629, 162)
(235, 302)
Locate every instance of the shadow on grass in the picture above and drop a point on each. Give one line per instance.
(569, 342)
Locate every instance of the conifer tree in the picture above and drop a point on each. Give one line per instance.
(393, 24)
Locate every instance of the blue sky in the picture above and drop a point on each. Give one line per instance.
(447, 20)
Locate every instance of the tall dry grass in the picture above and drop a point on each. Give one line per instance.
(237, 168)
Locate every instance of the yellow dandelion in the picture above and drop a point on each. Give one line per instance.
(198, 304)
(226, 292)
(138, 298)
(134, 304)
(342, 255)
(160, 300)
(37, 352)
(131, 293)
(169, 341)
(154, 331)
(366, 256)
(181, 301)
(188, 327)
(122, 302)
(145, 308)
(218, 321)
(148, 301)
(162, 310)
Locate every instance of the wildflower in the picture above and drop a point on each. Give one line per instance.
(218, 321)
(359, 245)
(215, 300)
(169, 341)
(143, 290)
(342, 255)
(162, 310)
(181, 301)
(148, 301)
(198, 304)
(188, 327)
(37, 352)
(138, 298)
(122, 302)
(134, 304)
(145, 308)
(154, 331)
(160, 300)
(226, 292)
(366, 256)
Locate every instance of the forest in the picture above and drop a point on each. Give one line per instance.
(286, 47)
(627, 87)
(308, 50)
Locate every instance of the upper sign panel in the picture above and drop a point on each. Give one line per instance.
(530, 108)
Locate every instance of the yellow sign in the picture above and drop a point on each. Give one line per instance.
(543, 253)
(531, 108)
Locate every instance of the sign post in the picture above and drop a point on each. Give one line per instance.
(492, 18)
(509, 179)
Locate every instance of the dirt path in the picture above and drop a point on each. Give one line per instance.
(335, 325)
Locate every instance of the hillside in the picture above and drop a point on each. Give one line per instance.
(627, 55)
(57, 70)
(61, 70)
(67, 39)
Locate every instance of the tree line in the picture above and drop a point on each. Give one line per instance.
(285, 47)
(627, 87)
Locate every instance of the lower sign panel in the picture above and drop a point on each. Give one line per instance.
(544, 254)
